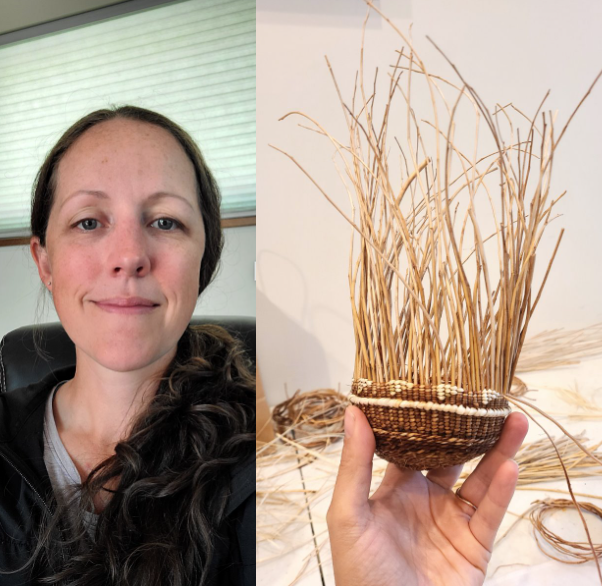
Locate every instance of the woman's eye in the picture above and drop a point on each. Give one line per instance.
(88, 224)
(166, 224)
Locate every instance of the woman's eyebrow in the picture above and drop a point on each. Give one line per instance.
(102, 195)
(164, 194)
(94, 192)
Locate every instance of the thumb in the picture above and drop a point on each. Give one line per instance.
(352, 487)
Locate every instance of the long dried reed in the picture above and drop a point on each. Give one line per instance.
(427, 308)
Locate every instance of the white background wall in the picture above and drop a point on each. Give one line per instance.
(232, 293)
(509, 51)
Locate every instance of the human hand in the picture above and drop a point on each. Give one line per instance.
(414, 530)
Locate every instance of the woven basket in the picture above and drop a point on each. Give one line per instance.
(424, 427)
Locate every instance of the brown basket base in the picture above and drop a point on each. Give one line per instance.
(418, 452)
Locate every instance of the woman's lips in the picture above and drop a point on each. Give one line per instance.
(127, 306)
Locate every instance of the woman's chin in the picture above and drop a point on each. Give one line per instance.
(130, 359)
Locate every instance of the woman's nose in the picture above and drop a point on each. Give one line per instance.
(130, 255)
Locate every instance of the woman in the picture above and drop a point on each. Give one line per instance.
(134, 468)
(414, 530)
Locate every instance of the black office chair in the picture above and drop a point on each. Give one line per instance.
(21, 363)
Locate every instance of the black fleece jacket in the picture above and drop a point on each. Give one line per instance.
(25, 489)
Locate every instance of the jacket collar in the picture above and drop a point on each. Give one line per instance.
(21, 428)
(22, 410)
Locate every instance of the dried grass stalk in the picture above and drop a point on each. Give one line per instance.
(555, 348)
(538, 462)
(586, 409)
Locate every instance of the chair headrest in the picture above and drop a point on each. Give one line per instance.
(22, 364)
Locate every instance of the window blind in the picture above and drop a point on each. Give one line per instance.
(193, 61)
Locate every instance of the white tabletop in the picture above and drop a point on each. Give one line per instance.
(291, 558)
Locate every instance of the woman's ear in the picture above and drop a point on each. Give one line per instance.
(40, 257)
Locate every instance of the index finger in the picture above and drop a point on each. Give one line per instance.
(352, 486)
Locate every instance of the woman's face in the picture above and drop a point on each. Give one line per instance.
(124, 244)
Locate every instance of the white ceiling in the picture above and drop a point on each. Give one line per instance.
(18, 14)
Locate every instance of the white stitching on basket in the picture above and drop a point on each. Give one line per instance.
(428, 406)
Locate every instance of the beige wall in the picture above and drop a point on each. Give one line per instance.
(510, 51)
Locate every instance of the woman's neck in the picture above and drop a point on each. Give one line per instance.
(99, 406)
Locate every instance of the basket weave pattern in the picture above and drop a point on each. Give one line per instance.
(421, 427)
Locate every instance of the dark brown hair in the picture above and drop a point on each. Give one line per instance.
(208, 192)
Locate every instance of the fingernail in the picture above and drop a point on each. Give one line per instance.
(349, 422)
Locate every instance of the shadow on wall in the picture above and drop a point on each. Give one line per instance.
(285, 351)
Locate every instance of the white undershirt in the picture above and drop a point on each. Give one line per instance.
(64, 477)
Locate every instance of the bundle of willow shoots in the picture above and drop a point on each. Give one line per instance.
(442, 272)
